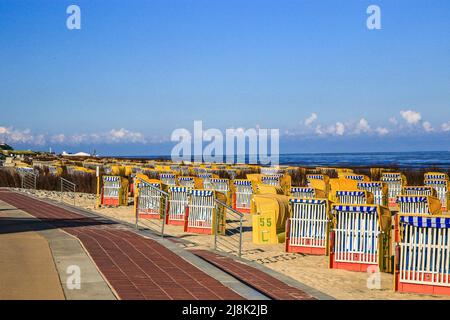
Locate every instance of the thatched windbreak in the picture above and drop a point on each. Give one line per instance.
(85, 183)
(9, 178)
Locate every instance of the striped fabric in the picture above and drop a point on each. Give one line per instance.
(436, 176)
(411, 199)
(166, 175)
(146, 184)
(302, 189)
(370, 185)
(111, 178)
(186, 178)
(351, 193)
(202, 193)
(426, 222)
(390, 179)
(217, 180)
(391, 175)
(205, 175)
(355, 177)
(272, 177)
(310, 201)
(350, 208)
(436, 182)
(418, 188)
(179, 189)
(242, 182)
(315, 176)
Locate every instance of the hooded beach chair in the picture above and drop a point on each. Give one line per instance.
(360, 237)
(307, 227)
(422, 259)
(419, 204)
(378, 189)
(178, 202)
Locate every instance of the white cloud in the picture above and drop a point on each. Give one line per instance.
(445, 126)
(340, 128)
(11, 135)
(337, 129)
(362, 126)
(124, 135)
(382, 131)
(309, 121)
(410, 116)
(427, 126)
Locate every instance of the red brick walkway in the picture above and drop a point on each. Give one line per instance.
(136, 267)
(253, 277)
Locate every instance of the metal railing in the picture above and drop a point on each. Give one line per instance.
(28, 180)
(154, 224)
(67, 187)
(230, 240)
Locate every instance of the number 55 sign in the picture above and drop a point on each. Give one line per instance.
(264, 229)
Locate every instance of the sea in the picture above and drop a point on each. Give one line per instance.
(413, 160)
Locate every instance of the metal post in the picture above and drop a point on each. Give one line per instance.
(97, 196)
(240, 237)
(166, 208)
(216, 228)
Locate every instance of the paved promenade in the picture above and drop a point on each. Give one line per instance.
(125, 265)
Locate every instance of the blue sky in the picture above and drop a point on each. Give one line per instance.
(137, 70)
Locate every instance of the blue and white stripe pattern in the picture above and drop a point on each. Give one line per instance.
(186, 178)
(436, 182)
(142, 184)
(315, 176)
(202, 193)
(350, 208)
(426, 222)
(242, 182)
(370, 185)
(395, 175)
(357, 177)
(205, 175)
(411, 199)
(219, 180)
(417, 191)
(179, 189)
(416, 188)
(111, 178)
(166, 175)
(390, 179)
(302, 189)
(436, 176)
(351, 193)
(271, 177)
(309, 201)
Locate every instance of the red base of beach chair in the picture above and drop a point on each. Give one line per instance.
(198, 230)
(306, 250)
(148, 215)
(242, 210)
(421, 288)
(350, 266)
(110, 201)
(175, 222)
